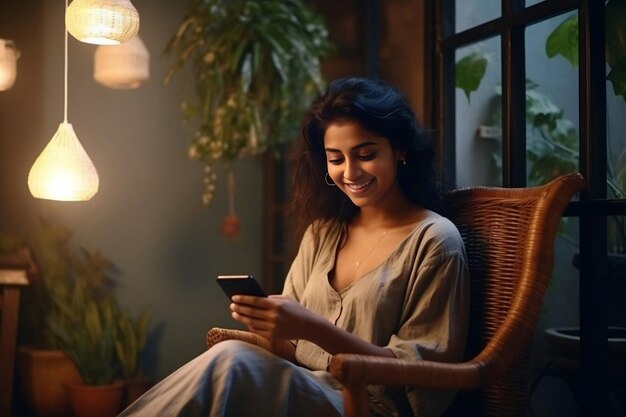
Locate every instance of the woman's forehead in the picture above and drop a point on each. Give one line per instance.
(349, 133)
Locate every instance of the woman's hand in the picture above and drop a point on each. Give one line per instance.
(274, 317)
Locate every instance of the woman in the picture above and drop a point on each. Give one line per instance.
(378, 272)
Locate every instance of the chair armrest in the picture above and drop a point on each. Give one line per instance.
(283, 348)
(361, 370)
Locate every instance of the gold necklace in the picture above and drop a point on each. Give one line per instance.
(357, 264)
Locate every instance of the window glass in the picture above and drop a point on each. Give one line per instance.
(616, 146)
(552, 98)
(616, 265)
(533, 2)
(478, 114)
(470, 13)
(616, 100)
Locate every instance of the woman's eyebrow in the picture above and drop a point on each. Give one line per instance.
(359, 146)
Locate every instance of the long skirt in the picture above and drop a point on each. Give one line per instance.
(234, 379)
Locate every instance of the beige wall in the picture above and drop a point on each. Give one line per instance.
(147, 217)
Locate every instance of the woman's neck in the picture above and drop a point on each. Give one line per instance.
(402, 212)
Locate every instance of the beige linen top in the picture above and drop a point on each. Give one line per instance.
(415, 303)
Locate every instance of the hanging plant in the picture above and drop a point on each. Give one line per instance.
(256, 67)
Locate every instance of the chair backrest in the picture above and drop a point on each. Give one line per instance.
(509, 238)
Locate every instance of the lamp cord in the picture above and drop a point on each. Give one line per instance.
(65, 68)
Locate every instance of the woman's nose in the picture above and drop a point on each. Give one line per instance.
(353, 169)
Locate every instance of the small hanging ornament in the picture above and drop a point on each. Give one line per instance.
(231, 223)
(123, 66)
(8, 64)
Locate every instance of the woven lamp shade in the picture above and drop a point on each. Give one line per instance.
(63, 171)
(8, 64)
(123, 66)
(102, 22)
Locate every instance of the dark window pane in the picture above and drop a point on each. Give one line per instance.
(552, 98)
(616, 115)
(478, 114)
(470, 13)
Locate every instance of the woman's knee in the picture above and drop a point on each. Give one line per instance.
(233, 349)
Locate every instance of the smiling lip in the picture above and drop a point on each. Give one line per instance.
(358, 188)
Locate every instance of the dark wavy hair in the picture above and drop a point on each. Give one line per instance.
(382, 110)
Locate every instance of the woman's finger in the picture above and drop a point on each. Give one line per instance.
(257, 325)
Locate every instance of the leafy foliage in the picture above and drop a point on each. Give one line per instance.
(85, 317)
(72, 307)
(470, 71)
(615, 13)
(563, 40)
(131, 341)
(256, 67)
(90, 338)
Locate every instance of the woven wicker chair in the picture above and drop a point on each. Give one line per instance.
(509, 237)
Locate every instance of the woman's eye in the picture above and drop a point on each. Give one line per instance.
(367, 157)
(335, 161)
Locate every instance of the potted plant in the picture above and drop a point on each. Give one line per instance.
(90, 343)
(103, 340)
(72, 320)
(43, 368)
(256, 67)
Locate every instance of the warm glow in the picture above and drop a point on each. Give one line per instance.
(8, 64)
(63, 171)
(102, 22)
(100, 41)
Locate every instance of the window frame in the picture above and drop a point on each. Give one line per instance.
(592, 208)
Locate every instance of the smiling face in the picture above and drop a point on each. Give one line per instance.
(362, 164)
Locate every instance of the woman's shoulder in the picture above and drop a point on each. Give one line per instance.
(321, 231)
(323, 227)
(437, 228)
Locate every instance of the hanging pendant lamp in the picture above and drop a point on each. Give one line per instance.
(63, 171)
(8, 63)
(102, 22)
(123, 66)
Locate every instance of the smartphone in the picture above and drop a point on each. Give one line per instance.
(240, 285)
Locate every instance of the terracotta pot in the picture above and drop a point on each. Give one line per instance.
(42, 376)
(96, 400)
(135, 388)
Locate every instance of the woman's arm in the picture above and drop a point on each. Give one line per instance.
(279, 317)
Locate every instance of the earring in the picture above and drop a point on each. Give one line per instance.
(328, 181)
(403, 161)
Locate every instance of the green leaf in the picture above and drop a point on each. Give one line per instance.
(540, 110)
(564, 40)
(470, 71)
(617, 77)
(615, 15)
